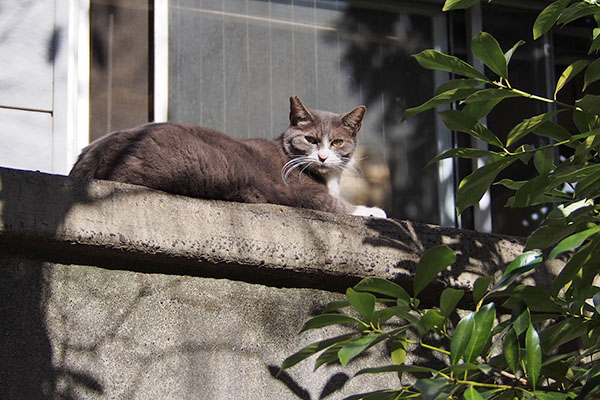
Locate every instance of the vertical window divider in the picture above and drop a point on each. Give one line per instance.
(161, 61)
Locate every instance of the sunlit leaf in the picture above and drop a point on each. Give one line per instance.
(548, 17)
(382, 286)
(533, 355)
(490, 94)
(483, 322)
(479, 109)
(433, 59)
(526, 126)
(569, 73)
(433, 319)
(457, 84)
(576, 11)
(472, 394)
(355, 347)
(572, 242)
(462, 153)
(508, 55)
(433, 261)
(480, 287)
(363, 302)
(462, 122)
(449, 299)
(485, 47)
(335, 305)
(312, 349)
(323, 320)
(573, 266)
(473, 187)
(519, 266)
(387, 394)
(461, 337)
(398, 345)
(395, 368)
(458, 4)
(442, 98)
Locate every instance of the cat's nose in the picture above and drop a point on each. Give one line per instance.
(322, 157)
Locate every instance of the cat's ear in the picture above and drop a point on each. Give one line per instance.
(353, 119)
(299, 114)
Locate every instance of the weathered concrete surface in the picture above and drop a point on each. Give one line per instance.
(108, 291)
(117, 225)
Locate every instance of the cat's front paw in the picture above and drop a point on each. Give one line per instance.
(363, 211)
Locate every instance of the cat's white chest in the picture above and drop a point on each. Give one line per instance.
(333, 186)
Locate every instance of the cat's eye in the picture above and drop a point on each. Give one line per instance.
(337, 142)
(311, 139)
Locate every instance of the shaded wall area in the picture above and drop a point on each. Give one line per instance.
(118, 291)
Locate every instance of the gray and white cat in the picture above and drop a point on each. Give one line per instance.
(301, 168)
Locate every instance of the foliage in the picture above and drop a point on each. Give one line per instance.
(547, 343)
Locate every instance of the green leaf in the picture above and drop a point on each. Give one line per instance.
(398, 348)
(432, 319)
(490, 94)
(461, 337)
(396, 368)
(458, 4)
(363, 302)
(485, 47)
(563, 332)
(483, 322)
(382, 286)
(576, 11)
(588, 186)
(355, 347)
(430, 389)
(510, 184)
(433, 59)
(552, 130)
(473, 187)
(569, 73)
(480, 287)
(533, 355)
(532, 191)
(462, 153)
(324, 320)
(528, 125)
(312, 349)
(508, 55)
(442, 98)
(334, 306)
(463, 122)
(543, 160)
(592, 74)
(329, 356)
(386, 394)
(457, 84)
(595, 46)
(511, 350)
(548, 17)
(573, 241)
(479, 109)
(449, 299)
(433, 261)
(573, 266)
(547, 235)
(521, 318)
(520, 265)
(472, 394)
(590, 386)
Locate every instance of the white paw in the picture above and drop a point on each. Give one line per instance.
(363, 211)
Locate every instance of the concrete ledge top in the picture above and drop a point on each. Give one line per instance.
(132, 227)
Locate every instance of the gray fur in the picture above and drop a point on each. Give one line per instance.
(200, 162)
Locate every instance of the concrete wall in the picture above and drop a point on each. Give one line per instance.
(112, 291)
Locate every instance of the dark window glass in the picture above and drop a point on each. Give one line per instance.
(121, 65)
(234, 64)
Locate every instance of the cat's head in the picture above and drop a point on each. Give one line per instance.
(320, 142)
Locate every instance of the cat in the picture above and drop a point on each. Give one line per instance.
(301, 168)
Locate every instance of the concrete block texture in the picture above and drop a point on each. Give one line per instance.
(113, 291)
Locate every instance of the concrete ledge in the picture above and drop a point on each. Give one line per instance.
(117, 225)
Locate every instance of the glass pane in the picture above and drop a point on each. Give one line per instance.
(234, 64)
(121, 65)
